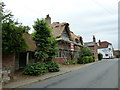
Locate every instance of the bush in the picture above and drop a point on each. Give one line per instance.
(100, 56)
(35, 69)
(85, 52)
(93, 58)
(80, 61)
(73, 62)
(66, 63)
(86, 59)
(53, 66)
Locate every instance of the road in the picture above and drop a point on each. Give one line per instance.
(103, 74)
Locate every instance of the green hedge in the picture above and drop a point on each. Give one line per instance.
(53, 66)
(41, 67)
(86, 59)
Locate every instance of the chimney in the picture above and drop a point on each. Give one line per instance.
(81, 40)
(48, 19)
(94, 39)
(99, 42)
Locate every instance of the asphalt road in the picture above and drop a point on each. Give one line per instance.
(103, 74)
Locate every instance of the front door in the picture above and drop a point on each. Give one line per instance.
(22, 60)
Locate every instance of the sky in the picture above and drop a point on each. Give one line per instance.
(85, 17)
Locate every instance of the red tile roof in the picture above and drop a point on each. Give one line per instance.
(104, 44)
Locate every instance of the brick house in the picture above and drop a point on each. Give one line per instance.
(93, 47)
(69, 44)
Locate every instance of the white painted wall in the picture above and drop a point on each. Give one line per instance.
(107, 52)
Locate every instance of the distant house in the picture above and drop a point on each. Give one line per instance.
(69, 44)
(93, 47)
(106, 49)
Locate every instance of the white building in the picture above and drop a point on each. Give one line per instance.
(106, 49)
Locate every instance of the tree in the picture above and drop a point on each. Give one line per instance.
(45, 41)
(85, 52)
(12, 31)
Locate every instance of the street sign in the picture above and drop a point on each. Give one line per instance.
(71, 46)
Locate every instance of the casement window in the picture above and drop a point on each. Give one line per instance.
(65, 53)
(61, 54)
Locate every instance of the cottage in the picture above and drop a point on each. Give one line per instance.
(93, 47)
(106, 49)
(14, 62)
(68, 43)
(24, 58)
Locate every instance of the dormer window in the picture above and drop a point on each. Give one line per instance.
(76, 40)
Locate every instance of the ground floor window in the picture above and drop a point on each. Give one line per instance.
(62, 54)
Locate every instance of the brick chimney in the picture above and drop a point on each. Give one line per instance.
(48, 19)
(94, 39)
(81, 40)
(99, 42)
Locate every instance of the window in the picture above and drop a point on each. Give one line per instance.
(109, 49)
(65, 53)
(61, 54)
(76, 40)
(106, 54)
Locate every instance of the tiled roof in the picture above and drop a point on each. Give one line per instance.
(104, 44)
(30, 42)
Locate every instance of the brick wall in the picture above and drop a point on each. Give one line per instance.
(8, 62)
(95, 51)
(60, 60)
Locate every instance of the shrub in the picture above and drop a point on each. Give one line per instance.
(85, 52)
(66, 63)
(80, 61)
(100, 56)
(53, 66)
(73, 62)
(35, 69)
(86, 59)
(93, 58)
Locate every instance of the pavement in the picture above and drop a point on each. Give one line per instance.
(64, 69)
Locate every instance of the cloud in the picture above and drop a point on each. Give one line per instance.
(86, 17)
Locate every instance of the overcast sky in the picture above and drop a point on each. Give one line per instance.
(86, 17)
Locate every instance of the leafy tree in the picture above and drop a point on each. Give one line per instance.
(45, 41)
(12, 31)
(85, 52)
